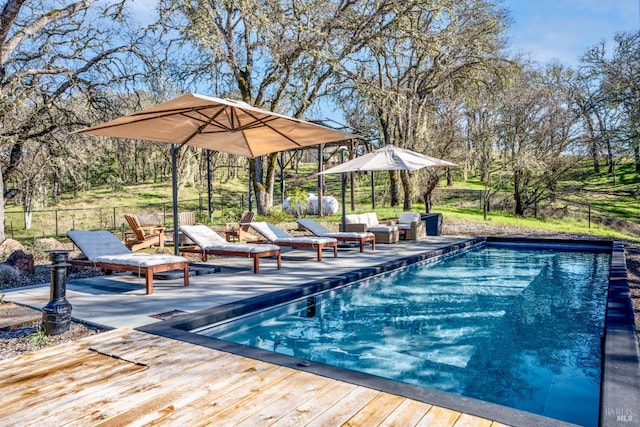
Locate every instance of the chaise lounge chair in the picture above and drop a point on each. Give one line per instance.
(141, 237)
(321, 231)
(276, 236)
(105, 251)
(208, 242)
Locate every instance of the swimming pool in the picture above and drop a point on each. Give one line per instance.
(620, 395)
(516, 327)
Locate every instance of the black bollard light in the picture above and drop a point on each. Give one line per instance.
(56, 315)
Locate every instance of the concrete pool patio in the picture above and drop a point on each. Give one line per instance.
(120, 302)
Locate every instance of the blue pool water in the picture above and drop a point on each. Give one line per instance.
(515, 327)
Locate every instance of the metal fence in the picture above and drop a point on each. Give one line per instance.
(56, 222)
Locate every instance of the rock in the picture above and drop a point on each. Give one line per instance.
(21, 261)
(9, 246)
(51, 243)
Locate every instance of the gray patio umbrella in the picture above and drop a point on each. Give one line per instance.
(388, 157)
(222, 125)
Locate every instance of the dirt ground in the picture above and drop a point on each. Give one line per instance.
(19, 325)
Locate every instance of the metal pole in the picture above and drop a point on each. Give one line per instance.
(249, 192)
(282, 177)
(209, 191)
(174, 189)
(343, 181)
(373, 191)
(320, 178)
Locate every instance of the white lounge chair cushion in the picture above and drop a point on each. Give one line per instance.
(320, 230)
(102, 246)
(277, 235)
(209, 240)
(98, 243)
(370, 219)
(408, 217)
(140, 260)
(386, 228)
(314, 227)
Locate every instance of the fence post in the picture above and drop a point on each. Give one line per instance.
(589, 216)
(56, 214)
(114, 218)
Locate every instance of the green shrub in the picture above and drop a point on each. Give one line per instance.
(203, 218)
(298, 202)
(40, 338)
(276, 217)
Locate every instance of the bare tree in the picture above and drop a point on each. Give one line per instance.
(536, 132)
(614, 107)
(435, 51)
(57, 58)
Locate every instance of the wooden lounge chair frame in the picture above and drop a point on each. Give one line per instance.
(110, 266)
(361, 238)
(243, 227)
(317, 243)
(142, 237)
(228, 250)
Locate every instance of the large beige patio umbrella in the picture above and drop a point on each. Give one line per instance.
(222, 125)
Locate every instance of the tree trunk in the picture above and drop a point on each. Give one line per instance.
(426, 196)
(595, 157)
(270, 179)
(394, 187)
(407, 186)
(3, 202)
(262, 196)
(519, 209)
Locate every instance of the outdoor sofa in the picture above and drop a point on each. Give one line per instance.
(360, 223)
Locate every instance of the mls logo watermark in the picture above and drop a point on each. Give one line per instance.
(622, 415)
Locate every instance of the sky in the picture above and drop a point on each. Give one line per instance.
(563, 30)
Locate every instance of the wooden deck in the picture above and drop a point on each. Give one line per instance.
(126, 377)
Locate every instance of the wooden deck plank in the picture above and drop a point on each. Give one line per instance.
(305, 412)
(408, 413)
(376, 410)
(148, 392)
(268, 414)
(466, 420)
(244, 408)
(92, 368)
(341, 411)
(181, 404)
(214, 404)
(134, 378)
(439, 417)
(112, 387)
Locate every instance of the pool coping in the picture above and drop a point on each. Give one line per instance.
(620, 384)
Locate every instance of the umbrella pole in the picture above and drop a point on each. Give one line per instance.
(343, 185)
(174, 189)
